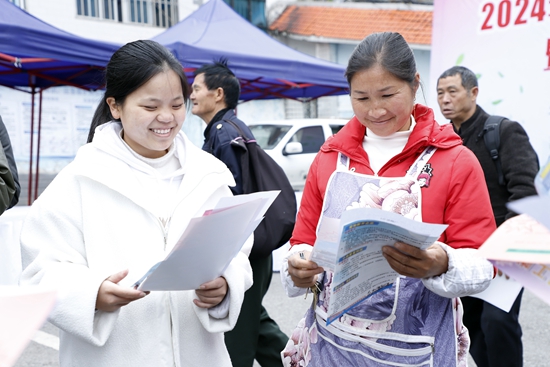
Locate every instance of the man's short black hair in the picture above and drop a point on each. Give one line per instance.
(467, 77)
(218, 75)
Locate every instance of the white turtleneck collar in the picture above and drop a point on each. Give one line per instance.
(381, 149)
(165, 165)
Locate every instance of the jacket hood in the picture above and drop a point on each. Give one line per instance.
(108, 161)
(107, 139)
(427, 132)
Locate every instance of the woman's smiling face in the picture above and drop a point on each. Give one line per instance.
(152, 115)
(381, 101)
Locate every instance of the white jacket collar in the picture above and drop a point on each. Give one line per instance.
(107, 160)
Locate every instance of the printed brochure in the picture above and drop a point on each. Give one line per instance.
(360, 269)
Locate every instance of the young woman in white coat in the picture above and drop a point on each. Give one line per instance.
(120, 207)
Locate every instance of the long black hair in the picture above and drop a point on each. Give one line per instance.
(129, 68)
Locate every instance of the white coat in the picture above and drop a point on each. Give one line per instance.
(95, 219)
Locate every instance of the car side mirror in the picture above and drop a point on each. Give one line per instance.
(294, 147)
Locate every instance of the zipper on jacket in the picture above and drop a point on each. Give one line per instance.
(165, 224)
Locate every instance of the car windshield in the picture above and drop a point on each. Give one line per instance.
(268, 136)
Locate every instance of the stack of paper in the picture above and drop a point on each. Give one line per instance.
(520, 247)
(208, 244)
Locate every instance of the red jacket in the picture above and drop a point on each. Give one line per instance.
(456, 193)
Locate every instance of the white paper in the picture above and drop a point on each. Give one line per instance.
(534, 277)
(537, 207)
(208, 244)
(520, 247)
(501, 293)
(23, 310)
(360, 269)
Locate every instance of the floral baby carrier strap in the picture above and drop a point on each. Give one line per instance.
(402, 325)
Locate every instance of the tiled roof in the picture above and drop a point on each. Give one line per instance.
(354, 23)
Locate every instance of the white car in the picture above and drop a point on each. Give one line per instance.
(293, 144)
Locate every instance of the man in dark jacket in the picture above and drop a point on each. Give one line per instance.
(495, 334)
(9, 179)
(215, 94)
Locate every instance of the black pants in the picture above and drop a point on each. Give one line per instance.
(495, 335)
(256, 335)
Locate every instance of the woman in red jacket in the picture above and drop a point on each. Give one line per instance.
(393, 156)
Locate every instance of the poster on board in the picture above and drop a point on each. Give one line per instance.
(64, 124)
(507, 44)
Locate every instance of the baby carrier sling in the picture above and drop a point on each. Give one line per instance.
(402, 325)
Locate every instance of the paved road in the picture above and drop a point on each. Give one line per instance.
(534, 318)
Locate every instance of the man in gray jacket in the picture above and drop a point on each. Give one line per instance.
(9, 179)
(495, 334)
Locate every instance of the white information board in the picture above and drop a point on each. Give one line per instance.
(66, 116)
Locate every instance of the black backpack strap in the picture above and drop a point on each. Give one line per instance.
(241, 139)
(241, 133)
(491, 136)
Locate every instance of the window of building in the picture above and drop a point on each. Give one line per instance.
(251, 10)
(105, 9)
(19, 3)
(88, 8)
(158, 13)
(138, 11)
(166, 13)
(112, 9)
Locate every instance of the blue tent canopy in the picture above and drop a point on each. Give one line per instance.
(36, 54)
(266, 68)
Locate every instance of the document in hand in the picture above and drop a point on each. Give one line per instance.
(208, 244)
(520, 247)
(360, 269)
(23, 310)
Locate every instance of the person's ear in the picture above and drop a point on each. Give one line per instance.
(114, 107)
(416, 82)
(474, 91)
(220, 95)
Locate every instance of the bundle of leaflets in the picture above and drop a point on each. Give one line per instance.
(360, 269)
(520, 247)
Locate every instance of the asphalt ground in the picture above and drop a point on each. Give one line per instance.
(534, 318)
